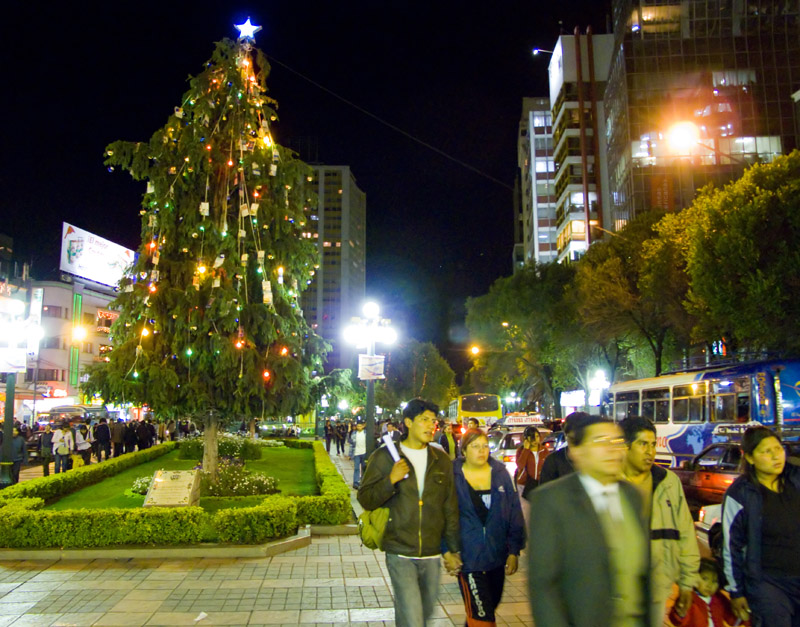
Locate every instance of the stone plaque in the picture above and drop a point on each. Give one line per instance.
(174, 488)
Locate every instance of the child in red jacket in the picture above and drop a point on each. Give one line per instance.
(707, 602)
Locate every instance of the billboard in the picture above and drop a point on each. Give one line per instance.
(91, 257)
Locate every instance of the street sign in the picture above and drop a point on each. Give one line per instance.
(370, 367)
(13, 360)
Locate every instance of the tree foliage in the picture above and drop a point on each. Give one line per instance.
(416, 369)
(209, 321)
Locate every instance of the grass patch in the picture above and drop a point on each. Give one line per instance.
(294, 469)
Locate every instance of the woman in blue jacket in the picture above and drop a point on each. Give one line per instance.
(492, 527)
(761, 537)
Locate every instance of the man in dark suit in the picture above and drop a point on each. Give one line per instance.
(591, 566)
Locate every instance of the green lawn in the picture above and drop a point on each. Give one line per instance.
(294, 469)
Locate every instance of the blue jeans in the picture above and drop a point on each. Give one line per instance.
(416, 589)
(359, 462)
(61, 463)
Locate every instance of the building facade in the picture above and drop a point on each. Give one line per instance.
(578, 73)
(338, 226)
(535, 209)
(698, 89)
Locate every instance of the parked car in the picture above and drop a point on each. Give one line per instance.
(707, 475)
(708, 529)
(506, 450)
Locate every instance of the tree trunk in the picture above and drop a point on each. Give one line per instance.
(210, 452)
(252, 428)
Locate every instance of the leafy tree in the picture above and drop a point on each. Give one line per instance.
(416, 369)
(521, 326)
(209, 321)
(626, 296)
(742, 259)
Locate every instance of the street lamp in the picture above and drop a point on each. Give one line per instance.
(475, 349)
(682, 137)
(365, 333)
(538, 51)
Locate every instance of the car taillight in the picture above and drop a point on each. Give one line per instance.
(463, 430)
(702, 515)
(508, 458)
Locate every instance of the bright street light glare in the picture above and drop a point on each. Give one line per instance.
(682, 137)
(475, 350)
(371, 310)
(78, 334)
(343, 404)
(387, 335)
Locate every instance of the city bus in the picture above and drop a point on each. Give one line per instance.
(485, 407)
(693, 409)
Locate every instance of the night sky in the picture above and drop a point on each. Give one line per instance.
(449, 73)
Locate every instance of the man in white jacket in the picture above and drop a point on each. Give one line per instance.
(63, 445)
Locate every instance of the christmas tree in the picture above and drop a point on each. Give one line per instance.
(209, 319)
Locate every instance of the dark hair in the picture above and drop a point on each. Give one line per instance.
(580, 424)
(530, 432)
(709, 565)
(571, 420)
(753, 436)
(418, 406)
(470, 436)
(475, 420)
(633, 425)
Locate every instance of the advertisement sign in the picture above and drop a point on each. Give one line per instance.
(370, 367)
(35, 320)
(13, 360)
(91, 257)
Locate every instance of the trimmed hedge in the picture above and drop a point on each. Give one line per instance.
(333, 506)
(25, 525)
(274, 518)
(56, 486)
(227, 446)
(101, 527)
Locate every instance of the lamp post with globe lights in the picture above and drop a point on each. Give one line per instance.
(366, 332)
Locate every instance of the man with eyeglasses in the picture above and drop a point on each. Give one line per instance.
(673, 546)
(591, 565)
(423, 527)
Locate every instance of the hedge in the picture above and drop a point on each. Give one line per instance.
(25, 525)
(274, 518)
(56, 486)
(227, 446)
(102, 527)
(333, 506)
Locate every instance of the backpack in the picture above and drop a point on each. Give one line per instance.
(371, 526)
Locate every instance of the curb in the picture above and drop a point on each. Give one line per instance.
(301, 539)
(334, 530)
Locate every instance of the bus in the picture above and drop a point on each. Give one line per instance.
(74, 414)
(485, 407)
(693, 409)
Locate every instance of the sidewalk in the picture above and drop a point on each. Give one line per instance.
(335, 581)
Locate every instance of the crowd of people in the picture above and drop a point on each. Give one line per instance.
(62, 444)
(615, 543)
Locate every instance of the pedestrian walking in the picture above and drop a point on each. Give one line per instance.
(674, 553)
(526, 476)
(559, 463)
(591, 566)
(448, 442)
(130, 436)
(419, 491)
(491, 526)
(102, 436)
(63, 445)
(328, 436)
(45, 449)
(341, 438)
(19, 453)
(358, 451)
(118, 437)
(708, 607)
(143, 435)
(83, 444)
(761, 537)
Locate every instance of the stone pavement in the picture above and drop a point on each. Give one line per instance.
(335, 581)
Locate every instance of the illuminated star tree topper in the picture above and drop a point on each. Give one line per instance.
(247, 30)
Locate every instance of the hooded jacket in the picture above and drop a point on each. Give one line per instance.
(417, 527)
(674, 553)
(486, 548)
(741, 532)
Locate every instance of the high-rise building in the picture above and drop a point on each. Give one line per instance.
(698, 89)
(338, 226)
(578, 72)
(535, 213)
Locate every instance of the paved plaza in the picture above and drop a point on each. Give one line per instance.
(334, 581)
